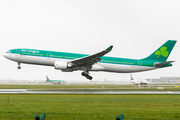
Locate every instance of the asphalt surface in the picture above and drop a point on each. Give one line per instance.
(13, 91)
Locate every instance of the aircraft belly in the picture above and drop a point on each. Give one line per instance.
(39, 60)
(120, 68)
(32, 60)
(97, 67)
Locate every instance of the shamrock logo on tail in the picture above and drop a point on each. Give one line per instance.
(162, 52)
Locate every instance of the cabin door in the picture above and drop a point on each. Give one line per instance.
(139, 63)
(49, 55)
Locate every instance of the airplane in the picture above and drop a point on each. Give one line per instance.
(138, 82)
(69, 62)
(54, 81)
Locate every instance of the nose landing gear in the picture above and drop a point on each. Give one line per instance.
(19, 67)
(85, 74)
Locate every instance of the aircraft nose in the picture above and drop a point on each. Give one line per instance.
(5, 55)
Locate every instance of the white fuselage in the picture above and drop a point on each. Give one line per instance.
(48, 61)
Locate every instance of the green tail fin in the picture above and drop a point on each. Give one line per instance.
(47, 79)
(163, 52)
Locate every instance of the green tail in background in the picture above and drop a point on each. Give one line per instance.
(163, 52)
(47, 79)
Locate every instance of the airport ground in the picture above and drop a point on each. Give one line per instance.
(93, 87)
(90, 106)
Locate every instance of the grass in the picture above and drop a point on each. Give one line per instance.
(89, 107)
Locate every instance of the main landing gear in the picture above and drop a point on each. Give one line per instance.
(19, 67)
(86, 75)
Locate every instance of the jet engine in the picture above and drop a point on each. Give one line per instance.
(61, 65)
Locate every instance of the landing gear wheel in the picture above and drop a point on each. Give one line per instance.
(83, 74)
(86, 75)
(19, 67)
(89, 77)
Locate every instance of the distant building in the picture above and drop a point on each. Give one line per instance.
(165, 80)
(170, 79)
(153, 80)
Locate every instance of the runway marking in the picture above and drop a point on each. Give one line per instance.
(170, 92)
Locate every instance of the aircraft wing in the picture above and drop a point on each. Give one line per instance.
(88, 61)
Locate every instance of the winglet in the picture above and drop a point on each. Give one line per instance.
(109, 48)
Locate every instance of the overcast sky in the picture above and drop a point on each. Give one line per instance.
(135, 28)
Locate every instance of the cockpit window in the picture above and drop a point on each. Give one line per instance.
(8, 51)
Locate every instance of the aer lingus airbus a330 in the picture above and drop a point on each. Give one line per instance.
(68, 62)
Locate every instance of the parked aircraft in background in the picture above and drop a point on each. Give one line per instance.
(139, 82)
(68, 62)
(54, 81)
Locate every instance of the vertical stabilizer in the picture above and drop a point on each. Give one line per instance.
(163, 52)
(47, 79)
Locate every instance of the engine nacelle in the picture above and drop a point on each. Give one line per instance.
(60, 65)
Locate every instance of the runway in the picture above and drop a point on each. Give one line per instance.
(16, 91)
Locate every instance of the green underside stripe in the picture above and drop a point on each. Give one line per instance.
(70, 57)
(117, 62)
(56, 56)
(32, 54)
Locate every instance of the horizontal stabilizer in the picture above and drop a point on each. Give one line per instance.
(162, 64)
